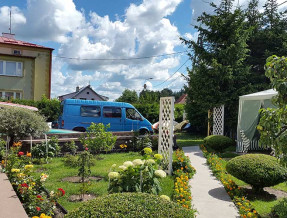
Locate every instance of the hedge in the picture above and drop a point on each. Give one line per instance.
(130, 205)
(218, 142)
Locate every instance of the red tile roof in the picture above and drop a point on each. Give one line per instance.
(5, 40)
(182, 99)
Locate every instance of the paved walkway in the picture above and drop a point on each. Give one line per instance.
(208, 194)
(10, 206)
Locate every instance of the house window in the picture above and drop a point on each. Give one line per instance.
(11, 68)
(112, 112)
(88, 93)
(10, 95)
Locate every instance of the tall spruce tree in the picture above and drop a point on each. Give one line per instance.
(219, 75)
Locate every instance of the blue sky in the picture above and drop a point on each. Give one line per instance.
(109, 30)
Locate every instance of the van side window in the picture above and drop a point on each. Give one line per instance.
(112, 112)
(132, 114)
(90, 111)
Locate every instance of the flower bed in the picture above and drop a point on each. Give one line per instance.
(216, 165)
(183, 171)
(29, 189)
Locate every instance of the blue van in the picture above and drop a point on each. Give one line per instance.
(78, 114)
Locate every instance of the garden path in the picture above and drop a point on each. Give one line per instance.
(208, 194)
(10, 206)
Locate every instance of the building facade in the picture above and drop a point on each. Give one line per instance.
(25, 69)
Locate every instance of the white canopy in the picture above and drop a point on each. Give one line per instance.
(248, 116)
(266, 94)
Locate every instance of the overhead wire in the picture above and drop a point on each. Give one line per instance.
(171, 75)
(118, 59)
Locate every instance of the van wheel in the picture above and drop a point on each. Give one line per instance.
(143, 132)
(79, 129)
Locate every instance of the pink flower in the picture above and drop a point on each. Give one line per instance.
(86, 148)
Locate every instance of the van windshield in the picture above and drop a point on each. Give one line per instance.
(132, 114)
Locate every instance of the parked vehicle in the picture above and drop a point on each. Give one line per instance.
(78, 114)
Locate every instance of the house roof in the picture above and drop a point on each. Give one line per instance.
(11, 41)
(74, 94)
(182, 99)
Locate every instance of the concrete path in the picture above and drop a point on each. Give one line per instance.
(10, 205)
(208, 194)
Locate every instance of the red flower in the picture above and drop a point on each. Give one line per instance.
(20, 153)
(40, 197)
(24, 185)
(38, 208)
(62, 191)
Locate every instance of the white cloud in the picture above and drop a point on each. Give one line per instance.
(17, 19)
(144, 30)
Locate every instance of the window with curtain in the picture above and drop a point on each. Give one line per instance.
(11, 68)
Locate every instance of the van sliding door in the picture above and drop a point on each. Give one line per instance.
(113, 115)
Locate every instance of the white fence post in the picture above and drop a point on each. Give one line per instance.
(165, 141)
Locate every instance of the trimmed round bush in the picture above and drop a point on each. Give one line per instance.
(130, 205)
(258, 170)
(218, 142)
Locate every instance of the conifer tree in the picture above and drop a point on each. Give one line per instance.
(219, 73)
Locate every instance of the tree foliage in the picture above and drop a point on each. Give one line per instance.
(219, 74)
(49, 108)
(230, 55)
(18, 123)
(128, 96)
(273, 121)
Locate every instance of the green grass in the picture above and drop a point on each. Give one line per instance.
(282, 186)
(57, 171)
(186, 139)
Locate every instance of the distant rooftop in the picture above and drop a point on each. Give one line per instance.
(7, 38)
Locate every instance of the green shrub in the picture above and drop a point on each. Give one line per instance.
(39, 151)
(18, 123)
(70, 147)
(98, 138)
(130, 205)
(73, 161)
(258, 170)
(138, 175)
(280, 209)
(2, 148)
(218, 142)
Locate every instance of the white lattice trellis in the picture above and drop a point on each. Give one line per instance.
(218, 120)
(165, 141)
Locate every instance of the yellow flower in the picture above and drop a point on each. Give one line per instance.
(147, 150)
(35, 217)
(20, 175)
(3, 162)
(249, 214)
(15, 171)
(28, 167)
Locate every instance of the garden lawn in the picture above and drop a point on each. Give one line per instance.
(57, 171)
(186, 139)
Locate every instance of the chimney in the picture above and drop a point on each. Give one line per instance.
(8, 35)
(77, 89)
